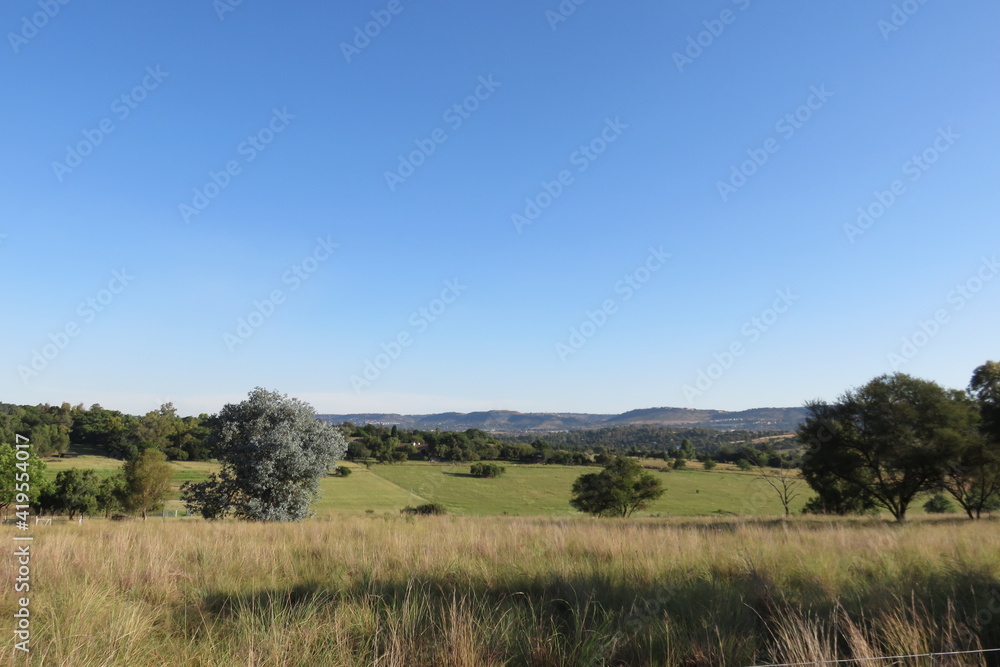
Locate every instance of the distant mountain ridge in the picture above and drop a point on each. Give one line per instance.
(510, 421)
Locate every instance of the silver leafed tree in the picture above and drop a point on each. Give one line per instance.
(273, 452)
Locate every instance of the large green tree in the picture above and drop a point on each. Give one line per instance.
(974, 479)
(985, 387)
(886, 442)
(619, 490)
(273, 452)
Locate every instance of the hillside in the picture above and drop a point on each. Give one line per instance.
(509, 421)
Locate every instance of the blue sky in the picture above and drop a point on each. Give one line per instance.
(495, 205)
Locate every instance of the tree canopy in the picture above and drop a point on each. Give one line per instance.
(619, 490)
(886, 442)
(273, 451)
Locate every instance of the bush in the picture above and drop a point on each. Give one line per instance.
(426, 510)
(678, 464)
(343, 472)
(744, 465)
(939, 504)
(709, 464)
(487, 470)
(176, 454)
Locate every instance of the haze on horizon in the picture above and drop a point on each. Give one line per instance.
(409, 207)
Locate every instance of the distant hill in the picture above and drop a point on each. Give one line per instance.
(509, 421)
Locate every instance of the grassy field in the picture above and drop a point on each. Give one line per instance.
(491, 591)
(528, 490)
(524, 490)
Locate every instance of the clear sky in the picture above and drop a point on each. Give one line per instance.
(500, 205)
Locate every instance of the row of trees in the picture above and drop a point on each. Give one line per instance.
(47, 427)
(393, 445)
(882, 445)
(650, 441)
(124, 436)
(51, 429)
(140, 486)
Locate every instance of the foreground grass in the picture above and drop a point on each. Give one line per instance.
(507, 591)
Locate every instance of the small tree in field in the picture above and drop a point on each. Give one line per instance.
(487, 470)
(111, 494)
(147, 482)
(273, 451)
(75, 492)
(619, 490)
(783, 480)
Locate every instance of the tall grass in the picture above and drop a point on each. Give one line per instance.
(507, 591)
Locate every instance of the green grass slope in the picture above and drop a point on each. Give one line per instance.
(529, 490)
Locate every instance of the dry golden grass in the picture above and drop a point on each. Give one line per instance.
(506, 591)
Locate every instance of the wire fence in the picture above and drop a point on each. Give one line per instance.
(844, 661)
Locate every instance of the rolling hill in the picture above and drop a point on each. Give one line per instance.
(509, 421)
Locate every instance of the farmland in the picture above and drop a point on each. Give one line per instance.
(525, 490)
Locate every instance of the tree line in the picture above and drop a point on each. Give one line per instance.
(383, 444)
(52, 429)
(140, 486)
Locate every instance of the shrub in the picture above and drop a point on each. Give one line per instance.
(176, 454)
(426, 510)
(939, 505)
(678, 464)
(744, 465)
(709, 464)
(343, 472)
(487, 470)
